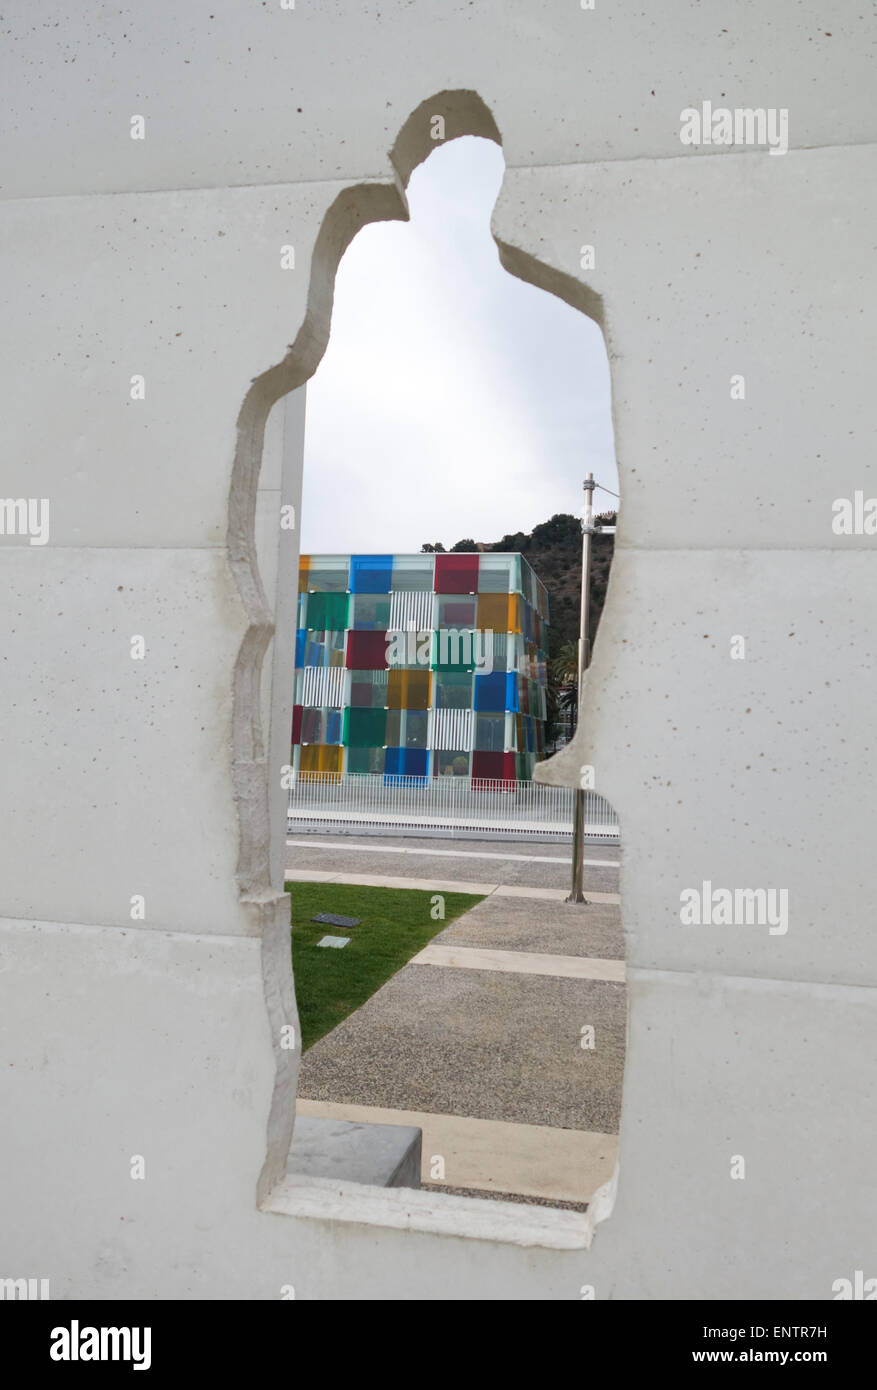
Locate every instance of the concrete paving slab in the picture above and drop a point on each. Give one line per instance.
(550, 895)
(517, 924)
(479, 1043)
(490, 1156)
(438, 885)
(521, 962)
(509, 864)
(432, 844)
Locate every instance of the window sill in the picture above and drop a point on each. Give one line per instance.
(433, 1213)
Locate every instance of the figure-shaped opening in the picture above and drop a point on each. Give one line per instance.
(454, 402)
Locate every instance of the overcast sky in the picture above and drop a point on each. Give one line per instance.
(453, 400)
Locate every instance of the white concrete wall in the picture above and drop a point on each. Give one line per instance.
(161, 1036)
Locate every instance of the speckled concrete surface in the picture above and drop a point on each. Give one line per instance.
(505, 1197)
(522, 924)
(449, 859)
(479, 1043)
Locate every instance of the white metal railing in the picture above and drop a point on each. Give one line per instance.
(367, 801)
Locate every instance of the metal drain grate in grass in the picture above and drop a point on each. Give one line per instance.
(331, 919)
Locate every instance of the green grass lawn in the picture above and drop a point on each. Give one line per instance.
(396, 923)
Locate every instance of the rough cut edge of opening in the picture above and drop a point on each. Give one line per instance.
(464, 113)
(430, 1213)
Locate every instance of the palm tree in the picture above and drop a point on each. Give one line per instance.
(563, 681)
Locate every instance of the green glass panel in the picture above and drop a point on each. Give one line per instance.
(364, 728)
(327, 612)
(366, 759)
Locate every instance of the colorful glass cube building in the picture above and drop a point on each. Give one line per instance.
(420, 665)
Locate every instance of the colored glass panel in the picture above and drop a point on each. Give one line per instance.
(367, 651)
(406, 762)
(453, 689)
(304, 564)
(493, 612)
(296, 724)
(320, 725)
(370, 612)
(490, 733)
(409, 689)
(496, 765)
(317, 757)
(366, 759)
(329, 573)
(365, 728)
(456, 574)
(456, 610)
(493, 574)
(495, 693)
(370, 574)
(414, 573)
(415, 725)
(300, 639)
(516, 614)
(327, 612)
(368, 689)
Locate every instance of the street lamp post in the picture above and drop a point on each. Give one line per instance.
(577, 894)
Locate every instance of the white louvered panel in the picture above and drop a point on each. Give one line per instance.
(323, 685)
(450, 730)
(409, 609)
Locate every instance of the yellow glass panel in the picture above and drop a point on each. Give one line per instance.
(493, 612)
(304, 565)
(409, 689)
(515, 613)
(320, 758)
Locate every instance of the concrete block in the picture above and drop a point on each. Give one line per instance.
(380, 1155)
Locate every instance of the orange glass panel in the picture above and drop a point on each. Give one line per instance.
(304, 565)
(515, 613)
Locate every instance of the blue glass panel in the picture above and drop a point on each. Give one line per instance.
(511, 691)
(393, 763)
(491, 692)
(370, 574)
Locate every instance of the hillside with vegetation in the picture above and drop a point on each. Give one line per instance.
(554, 549)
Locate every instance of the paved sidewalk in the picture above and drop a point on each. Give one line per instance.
(508, 863)
(478, 1039)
